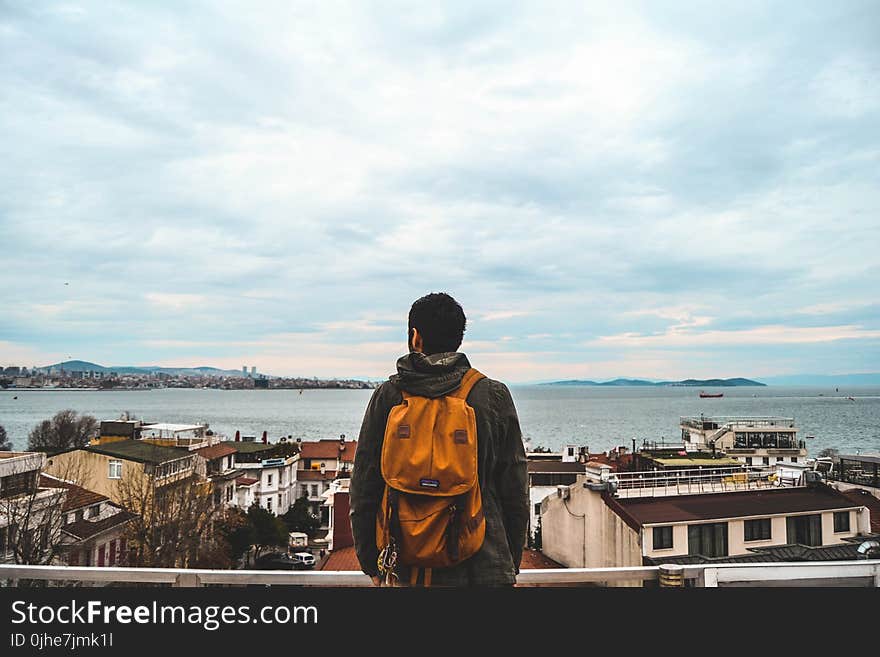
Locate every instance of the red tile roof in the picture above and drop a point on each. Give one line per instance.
(216, 451)
(864, 498)
(534, 559)
(328, 449)
(83, 529)
(77, 497)
(710, 506)
(246, 481)
(315, 475)
(341, 559)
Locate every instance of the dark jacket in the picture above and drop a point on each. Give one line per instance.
(501, 464)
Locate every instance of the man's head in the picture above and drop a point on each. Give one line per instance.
(436, 324)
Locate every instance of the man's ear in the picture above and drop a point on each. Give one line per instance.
(415, 340)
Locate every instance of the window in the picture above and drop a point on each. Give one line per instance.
(662, 538)
(269, 503)
(748, 460)
(779, 459)
(94, 511)
(79, 515)
(804, 530)
(279, 500)
(709, 540)
(268, 480)
(23, 482)
(538, 509)
(314, 490)
(571, 451)
(841, 521)
(756, 530)
(114, 469)
(229, 462)
(766, 460)
(794, 459)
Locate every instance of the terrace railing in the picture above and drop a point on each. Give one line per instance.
(651, 483)
(835, 573)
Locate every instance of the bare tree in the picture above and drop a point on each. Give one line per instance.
(173, 527)
(65, 430)
(32, 514)
(5, 444)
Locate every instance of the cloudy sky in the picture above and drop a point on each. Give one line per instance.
(624, 189)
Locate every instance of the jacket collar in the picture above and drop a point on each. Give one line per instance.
(430, 376)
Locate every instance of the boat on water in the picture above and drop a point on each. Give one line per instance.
(710, 395)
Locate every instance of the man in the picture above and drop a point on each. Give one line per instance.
(433, 368)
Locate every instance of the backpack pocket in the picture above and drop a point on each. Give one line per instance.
(437, 532)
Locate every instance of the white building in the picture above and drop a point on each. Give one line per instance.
(273, 466)
(751, 440)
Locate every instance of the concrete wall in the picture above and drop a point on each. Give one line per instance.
(583, 532)
(91, 470)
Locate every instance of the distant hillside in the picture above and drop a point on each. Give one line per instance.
(707, 383)
(85, 366)
(713, 383)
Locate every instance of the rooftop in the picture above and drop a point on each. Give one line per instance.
(139, 451)
(863, 458)
(251, 447)
(683, 508)
(83, 529)
(328, 449)
(865, 498)
(174, 428)
(77, 497)
(216, 451)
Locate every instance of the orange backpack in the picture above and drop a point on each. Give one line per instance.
(432, 511)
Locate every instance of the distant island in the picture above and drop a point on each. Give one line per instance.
(689, 383)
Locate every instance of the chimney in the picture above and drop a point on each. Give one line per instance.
(342, 442)
(265, 438)
(237, 435)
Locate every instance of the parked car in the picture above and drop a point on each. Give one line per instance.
(303, 560)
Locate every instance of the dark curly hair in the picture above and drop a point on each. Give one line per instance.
(440, 321)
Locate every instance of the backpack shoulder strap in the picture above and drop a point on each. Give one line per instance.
(467, 382)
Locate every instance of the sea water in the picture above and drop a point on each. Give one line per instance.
(550, 416)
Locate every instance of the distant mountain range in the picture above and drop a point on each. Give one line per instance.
(85, 366)
(707, 383)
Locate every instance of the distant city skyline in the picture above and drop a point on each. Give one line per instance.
(653, 191)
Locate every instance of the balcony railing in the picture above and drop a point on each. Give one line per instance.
(694, 480)
(832, 573)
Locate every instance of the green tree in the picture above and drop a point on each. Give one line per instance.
(239, 533)
(268, 529)
(65, 430)
(5, 445)
(300, 519)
